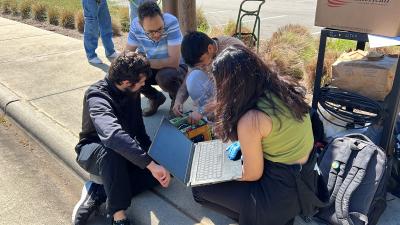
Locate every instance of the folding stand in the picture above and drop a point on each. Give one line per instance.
(391, 103)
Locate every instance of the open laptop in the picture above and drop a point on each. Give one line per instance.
(193, 164)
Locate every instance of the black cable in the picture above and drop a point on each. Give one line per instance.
(349, 107)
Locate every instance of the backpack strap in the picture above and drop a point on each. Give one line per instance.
(338, 167)
(353, 180)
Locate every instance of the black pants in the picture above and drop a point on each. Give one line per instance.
(122, 180)
(275, 199)
(169, 80)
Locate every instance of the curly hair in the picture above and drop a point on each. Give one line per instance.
(241, 79)
(129, 66)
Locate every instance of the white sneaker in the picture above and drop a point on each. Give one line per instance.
(95, 60)
(114, 55)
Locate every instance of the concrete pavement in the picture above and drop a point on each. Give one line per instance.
(43, 77)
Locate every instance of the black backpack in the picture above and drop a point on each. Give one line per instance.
(355, 171)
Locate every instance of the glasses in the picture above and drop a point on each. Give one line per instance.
(160, 31)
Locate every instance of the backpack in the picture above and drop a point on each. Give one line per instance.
(355, 171)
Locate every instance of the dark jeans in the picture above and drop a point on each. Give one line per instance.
(274, 199)
(122, 180)
(169, 80)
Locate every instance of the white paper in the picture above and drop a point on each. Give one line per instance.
(376, 41)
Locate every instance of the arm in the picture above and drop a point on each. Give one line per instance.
(180, 98)
(174, 54)
(111, 133)
(252, 127)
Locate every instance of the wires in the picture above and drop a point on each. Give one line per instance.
(349, 107)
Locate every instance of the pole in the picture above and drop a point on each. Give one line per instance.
(187, 15)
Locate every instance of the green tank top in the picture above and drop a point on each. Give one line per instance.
(289, 140)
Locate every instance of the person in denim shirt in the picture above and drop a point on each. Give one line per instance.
(97, 19)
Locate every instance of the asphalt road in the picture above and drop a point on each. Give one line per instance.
(35, 188)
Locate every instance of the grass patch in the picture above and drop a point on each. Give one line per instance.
(53, 16)
(39, 11)
(6, 6)
(26, 9)
(124, 19)
(202, 23)
(67, 19)
(116, 27)
(14, 8)
(80, 21)
(340, 45)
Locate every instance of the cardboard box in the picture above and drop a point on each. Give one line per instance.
(379, 17)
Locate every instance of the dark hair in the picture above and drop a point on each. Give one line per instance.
(194, 45)
(241, 78)
(148, 9)
(128, 66)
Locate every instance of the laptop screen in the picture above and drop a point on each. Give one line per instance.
(172, 149)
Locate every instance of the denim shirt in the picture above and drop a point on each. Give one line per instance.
(114, 118)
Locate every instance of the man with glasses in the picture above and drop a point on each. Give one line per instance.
(158, 35)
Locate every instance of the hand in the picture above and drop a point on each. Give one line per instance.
(234, 151)
(194, 117)
(178, 109)
(160, 173)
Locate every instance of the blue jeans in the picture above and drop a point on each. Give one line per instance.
(133, 7)
(97, 18)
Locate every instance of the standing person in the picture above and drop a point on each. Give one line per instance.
(113, 142)
(158, 35)
(133, 7)
(97, 19)
(268, 115)
(199, 51)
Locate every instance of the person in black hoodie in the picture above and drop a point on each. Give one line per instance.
(113, 142)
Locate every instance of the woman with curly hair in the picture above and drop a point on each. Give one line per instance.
(268, 115)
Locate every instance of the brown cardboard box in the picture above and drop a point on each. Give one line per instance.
(367, 16)
(369, 76)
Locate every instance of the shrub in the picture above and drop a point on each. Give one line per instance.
(330, 58)
(26, 9)
(39, 11)
(124, 19)
(14, 7)
(6, 6)
(80, 21)
(116, 28)
(67, 19)
(53, 16)
(202, 23)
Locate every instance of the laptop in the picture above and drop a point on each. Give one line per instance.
(193, 163)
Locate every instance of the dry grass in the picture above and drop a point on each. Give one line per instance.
(39, 11)
(14, 7)
(26, 9)
(67, 19)
(330, 57)
(80, 21)
(53, 16)
(116, 27)
(291, 48)
(124, 19)
(6, 6)
(201, 20)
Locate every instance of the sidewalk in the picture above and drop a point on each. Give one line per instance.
(43, 77)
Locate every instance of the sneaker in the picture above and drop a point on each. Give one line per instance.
(95, 60)
(121, 222)
(91, 198)
(114, 55)
(154, 104)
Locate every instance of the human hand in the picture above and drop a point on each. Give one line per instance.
(194, 117)
(234, 151)
(178, 109)
(160, 173)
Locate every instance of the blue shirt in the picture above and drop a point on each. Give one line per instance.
(156, 50)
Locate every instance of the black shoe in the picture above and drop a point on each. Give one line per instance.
(92, 197)
(154, 104)
(121, 222)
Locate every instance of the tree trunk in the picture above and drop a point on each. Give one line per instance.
(171, 6)
(187, 15)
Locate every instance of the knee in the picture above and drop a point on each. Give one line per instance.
(168, 78)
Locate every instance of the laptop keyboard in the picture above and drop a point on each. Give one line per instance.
(210, 161)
